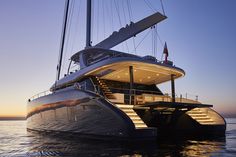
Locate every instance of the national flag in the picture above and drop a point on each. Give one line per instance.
(165, 51)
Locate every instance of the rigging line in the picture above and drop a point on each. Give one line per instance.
(112, 25)
(71, 13)
(143, 38)
(76, 26)
(123, 6)
(110, 16)
(131, 12)
(98, 8)
(159, 38)
(128, 7)
(155, 38)
(117, 10)
(64, 26)
(92, 22)
(150, 5)
(152, 41)
(69, 21)
(130, 18)
(162, 44)
(103, 20)
(162, 6)
(134, 45)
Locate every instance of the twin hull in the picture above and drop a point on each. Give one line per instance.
(77, 111)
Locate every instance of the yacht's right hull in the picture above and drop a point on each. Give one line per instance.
(182, 123)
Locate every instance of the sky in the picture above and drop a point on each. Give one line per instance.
(200, 36)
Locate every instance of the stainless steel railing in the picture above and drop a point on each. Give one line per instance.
(44, 93)
(159, 96)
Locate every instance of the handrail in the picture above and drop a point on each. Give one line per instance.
(44, 93)
(135, 91)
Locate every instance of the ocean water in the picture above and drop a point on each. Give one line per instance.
(16, 141)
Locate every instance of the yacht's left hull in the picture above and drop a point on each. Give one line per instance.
(80, 112)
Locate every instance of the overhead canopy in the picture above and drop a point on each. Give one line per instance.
(144, 73)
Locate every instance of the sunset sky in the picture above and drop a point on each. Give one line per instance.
(201, 38)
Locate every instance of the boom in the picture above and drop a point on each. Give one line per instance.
(130, 30)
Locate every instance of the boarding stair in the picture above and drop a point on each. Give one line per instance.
(105, 89)
(128, 109)
(200, 116)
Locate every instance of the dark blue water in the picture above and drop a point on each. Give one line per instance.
(16, 141)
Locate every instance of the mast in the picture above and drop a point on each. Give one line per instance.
(88, 29)
(62, 39)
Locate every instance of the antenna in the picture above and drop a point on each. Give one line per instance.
(62, 39)
(88, 31)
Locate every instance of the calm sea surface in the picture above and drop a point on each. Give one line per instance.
(16, 141)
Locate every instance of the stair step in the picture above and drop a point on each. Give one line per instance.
(137, 121)
(201, 118)
(195, 112)
(208, 120)
(197, 115)
(132, 114)
(207, 123)
(127, 110)
(140, 126)
(124, 106)
(135, 118)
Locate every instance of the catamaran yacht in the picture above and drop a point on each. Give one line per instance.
(116, 94)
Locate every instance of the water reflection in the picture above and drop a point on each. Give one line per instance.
(42, 145)
(16, 141)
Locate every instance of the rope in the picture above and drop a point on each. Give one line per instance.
(98, 19)
(69, 21)
(103, 19)
(77, 26)
(129, 10)
(92, 22)
(162, 7)
(123, 7)
(112, 25)
(117, 10)
(130, 18)
(143, 39)
(150, 5)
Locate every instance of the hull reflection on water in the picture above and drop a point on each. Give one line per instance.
(65, 146)
(16, 141)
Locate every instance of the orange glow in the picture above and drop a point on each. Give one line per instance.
(14, 111)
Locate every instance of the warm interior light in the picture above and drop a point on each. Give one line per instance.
(149, 77)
